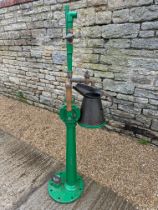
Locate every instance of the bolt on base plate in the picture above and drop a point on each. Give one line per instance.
(63, 193)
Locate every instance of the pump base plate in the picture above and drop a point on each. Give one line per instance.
(63, 193)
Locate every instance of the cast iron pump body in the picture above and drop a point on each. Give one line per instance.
(67, 186)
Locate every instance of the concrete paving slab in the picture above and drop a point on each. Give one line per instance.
(4, 137)
(24, 172)
(41, 198)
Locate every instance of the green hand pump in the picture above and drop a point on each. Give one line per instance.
(67, 186)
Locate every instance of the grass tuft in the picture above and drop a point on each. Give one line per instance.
(143, 141)
(20, 96)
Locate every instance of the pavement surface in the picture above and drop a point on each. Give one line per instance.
(24, 172)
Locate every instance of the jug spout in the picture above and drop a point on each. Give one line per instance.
(85, 89)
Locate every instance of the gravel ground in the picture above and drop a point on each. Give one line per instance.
(114, 160)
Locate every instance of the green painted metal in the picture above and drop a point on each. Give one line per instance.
(70, 119)
(71, 163)
(92, 126)
(69, 16)
(67, 186)
(70, 185)
(64, 115)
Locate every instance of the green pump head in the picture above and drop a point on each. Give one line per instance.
(72, 15)
(69, 16)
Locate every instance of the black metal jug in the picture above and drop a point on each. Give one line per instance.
(92, 115)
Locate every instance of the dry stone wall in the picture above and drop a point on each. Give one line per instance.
(116, 41)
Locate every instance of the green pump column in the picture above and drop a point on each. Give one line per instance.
(71, 163)
(69, 16)
(67, 186)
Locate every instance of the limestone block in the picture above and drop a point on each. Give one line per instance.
(130, 109)
(14, 79)
(49, 77)
(41, 9)
(146, 34)
(137, 79)
(153, 102)
(36, 53)
(59, 57)
(46, 94)
(118, 43)
(96, 2)
(150, 25)
(88, 58)
(125, 97)
(3, 10)
(92, 32)
(58, 15)
(113, 4)
(112, 59)
(26, 6)
(99, 74)
(141, 100)
(54, 32)
(103, 17)
(126, 30)
(154, 125)
(86, 17)
(146, 93)
(46, 100)
(32, 98)
(120, 16)
(144, 13)
(150, 113)
(95, 43)
(38, 33)
(15, 26)
(150, 43)
(117, 86)
(78, 4)
(56, 7)
(123, 114)
(50, 2)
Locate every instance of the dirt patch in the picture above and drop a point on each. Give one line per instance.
(114, 160)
